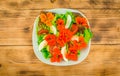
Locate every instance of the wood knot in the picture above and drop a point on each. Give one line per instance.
(26, 29)
(22, 72)
(25, 2)
(0, 65)
(94, 2)
(52, 1)
(13, 4)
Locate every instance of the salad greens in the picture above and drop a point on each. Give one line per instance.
(87, 35)
(62, 36)
(40, 38)
(46, 53)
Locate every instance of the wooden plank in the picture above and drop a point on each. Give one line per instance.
(90, 13)
(16, 27)
(103, 60)
(40, 4)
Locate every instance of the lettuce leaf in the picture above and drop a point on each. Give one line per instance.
(45, 53)
(78, 52)
(40, 38)
(71, 14)
(87, 35)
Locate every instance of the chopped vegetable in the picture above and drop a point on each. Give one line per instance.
(75, 37)
(53, 29)
(64, 52)
(43, 26)
(43, 32)
(69, 20)
(74, 28)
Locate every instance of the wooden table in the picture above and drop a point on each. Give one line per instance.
(16, 51)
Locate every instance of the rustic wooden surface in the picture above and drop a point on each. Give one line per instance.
(16, 51)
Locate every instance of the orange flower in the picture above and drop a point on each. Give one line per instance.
(50, 16)
(47, 18)
(48, 22)
(43, 17)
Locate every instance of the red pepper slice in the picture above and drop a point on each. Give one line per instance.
(74, 28)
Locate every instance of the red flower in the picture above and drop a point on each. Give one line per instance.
(60, 22)
(75, 47)
(60, 27)
(82, 42)
(81, 20)
(51, 39)
(72, 56)
(64, 37)
(56, 55)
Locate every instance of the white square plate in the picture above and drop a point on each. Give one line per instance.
(39, 55)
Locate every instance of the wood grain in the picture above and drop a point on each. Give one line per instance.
(16, 26)
(21, 61)
(41, 4)
(16, 51)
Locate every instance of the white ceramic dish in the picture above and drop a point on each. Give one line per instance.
(39, 55)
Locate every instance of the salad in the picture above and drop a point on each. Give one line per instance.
(61, 37)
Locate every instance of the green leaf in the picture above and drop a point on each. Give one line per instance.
(67, 46)
(55, 19)
(78, 33)
(40, 38)
(87, 35)
(78, 53)
(72, 15)
(45, 53)
(57, 16)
